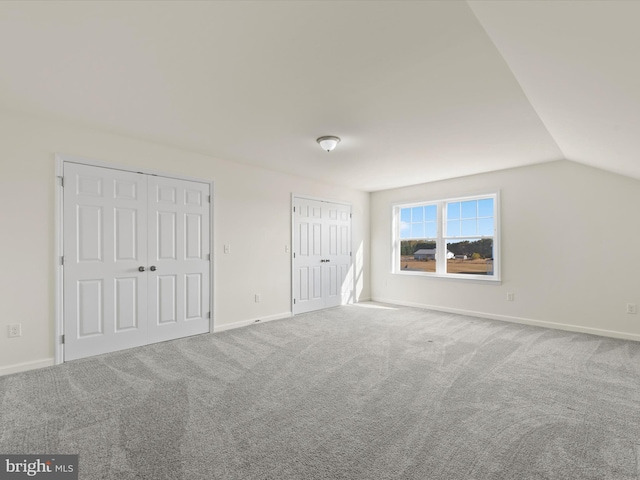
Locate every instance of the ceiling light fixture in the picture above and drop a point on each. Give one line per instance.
(328, 142)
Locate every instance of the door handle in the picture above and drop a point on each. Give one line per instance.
(141, 269)
(152, 268)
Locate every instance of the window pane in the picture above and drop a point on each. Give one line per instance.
(430, 213)
(453, 228)
(453, 211)
(405, 230)
(470, 209)
(417, 214)
(405, 215)
(430, 230)
(417, 230)
(468, 227)
(485, 207)
(472, 257)
(485, 227)
(417, 256)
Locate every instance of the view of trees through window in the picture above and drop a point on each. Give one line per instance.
(473, 257)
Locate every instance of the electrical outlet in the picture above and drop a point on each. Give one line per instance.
(15, 330)
(258, 298)
(632, 308)
(511, 297)
(227, 249)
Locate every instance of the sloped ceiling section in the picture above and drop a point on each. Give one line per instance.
(578, 62)
(417, 91)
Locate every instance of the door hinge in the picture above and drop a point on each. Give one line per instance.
(294, 254)
(351, 215)
(208, 256)
(209, 198)
(209, 315)
(294, 301)
(294, 209)
(351, 254)
(62, 339)
(62, 260)
(61, 181)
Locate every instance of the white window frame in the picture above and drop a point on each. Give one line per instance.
(441, 239)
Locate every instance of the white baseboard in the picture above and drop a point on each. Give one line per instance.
(525, 321)
(23, 367)
(244, 323)
(47, 362)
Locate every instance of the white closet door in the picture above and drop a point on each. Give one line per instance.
(105, 243)
(308, 272)
(322, 255)
(178, 302)
(338, 284)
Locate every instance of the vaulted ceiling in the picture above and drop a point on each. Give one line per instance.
(418, 91)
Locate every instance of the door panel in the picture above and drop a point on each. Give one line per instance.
(322, 255)
(90, 233)
(345, 238)
(126, 238)
(316, 244)
(88, 184)
(126, 303)
(105, 237)
(126, 190)
(90, 303)
(332, 276)
(333, 240)
(167, 299)
(316, 277)
(166, 235)
(339, 256)
(302, 246)
(307, 249)
(193, 296)
(193, 236)
(179, 250)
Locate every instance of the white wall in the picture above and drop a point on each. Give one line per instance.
(569, 249)
(252, 214)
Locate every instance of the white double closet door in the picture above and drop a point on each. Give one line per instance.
(322, 259)
(136, 259)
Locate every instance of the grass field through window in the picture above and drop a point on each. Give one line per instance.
(479, 266)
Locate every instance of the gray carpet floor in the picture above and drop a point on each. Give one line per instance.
(353, 392)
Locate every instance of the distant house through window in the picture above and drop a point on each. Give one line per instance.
(453, 237)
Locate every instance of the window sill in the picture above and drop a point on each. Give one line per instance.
(493, 279)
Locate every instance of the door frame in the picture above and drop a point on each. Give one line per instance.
(60, 160)
(294, 197)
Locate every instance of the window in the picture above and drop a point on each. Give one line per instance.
(454, 238)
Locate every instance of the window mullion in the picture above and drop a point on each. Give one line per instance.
(440, 244)
(396, 241)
